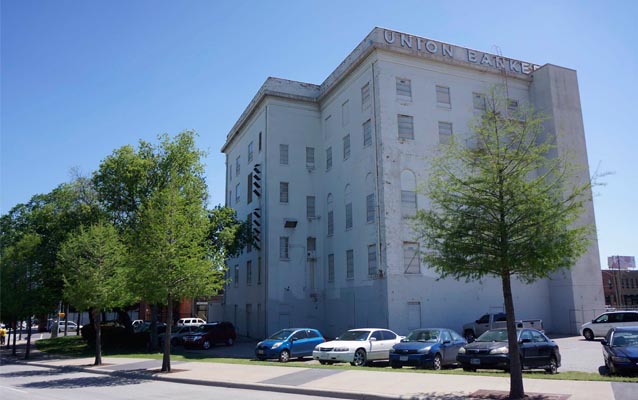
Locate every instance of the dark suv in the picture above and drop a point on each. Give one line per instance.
(208, 335)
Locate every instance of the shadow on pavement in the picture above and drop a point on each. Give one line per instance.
(32, 372)
(75, 383)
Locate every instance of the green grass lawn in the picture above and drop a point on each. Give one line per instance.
(75, 346)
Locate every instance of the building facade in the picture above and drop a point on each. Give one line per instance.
(328, 174)
(621, 288)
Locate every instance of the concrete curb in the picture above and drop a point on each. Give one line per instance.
(214, 383)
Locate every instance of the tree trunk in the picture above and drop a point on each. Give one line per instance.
(97, 318)
(77, 333)
(516, 374)
(166, 361)
(66, 319)
(15, 335)
(153, 329)
(27, 351)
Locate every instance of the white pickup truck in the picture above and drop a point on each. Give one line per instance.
(475, 329)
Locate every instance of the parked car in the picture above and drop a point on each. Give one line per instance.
(177, 334)
(208, 335)
(357, 346)
(289, 343)
(491, 351)
(70, 327)
(427, 348)
(190, 322)
(600, 325)
(620, 350)
(475, 329)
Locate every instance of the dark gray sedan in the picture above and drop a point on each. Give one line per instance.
(491, 351)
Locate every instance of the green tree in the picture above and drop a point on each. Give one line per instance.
(227, 234)
(505, 205)
(93, 260)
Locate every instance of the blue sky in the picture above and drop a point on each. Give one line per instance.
(82, 78)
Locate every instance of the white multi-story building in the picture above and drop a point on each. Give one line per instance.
(327, 174)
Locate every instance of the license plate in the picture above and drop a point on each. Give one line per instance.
(260, 352)
(403, 358)
(475, 361)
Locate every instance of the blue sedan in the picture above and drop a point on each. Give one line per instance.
(289, 343)
(620, 350)
(427, 348)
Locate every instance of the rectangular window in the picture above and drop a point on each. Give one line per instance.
(310, 207)
(411, 262)
(408, 203)
(250, 151)
(249, 219)
(365, 96)
(283, 192)
(372, 259)
(237, 193)
(283, 154)
(445, 132)
(331, 222)
(236, 277)
(348, 216)
(249, 273)
(259, 270)
(345, 113)
(328, 158)
(367, 133)
(443, 96)
(406, 126)
(310, 157)
(331, 267)
(478, 99)
(404, 88)
(370, 208)
(237, 166)
(259, 144)
(512, 105)
(346, 147)
(349, 264)
(283, 248)
(249, 189)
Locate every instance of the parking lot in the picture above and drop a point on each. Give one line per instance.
(577, 353)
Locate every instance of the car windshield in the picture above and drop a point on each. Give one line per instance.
(497, 335)
(429, 335)
(281, 335)
(204, 328)
(354, 335)
(623, 339)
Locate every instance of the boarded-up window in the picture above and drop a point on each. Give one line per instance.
(406, 126)
(283, 192)
(346, 147)
(283, 248)
(283, 154)
(367, 133)
(310, 157)
(328, 158)
(370, 208)
(310, 207)
(349, 264)
(372, 259)
(349, 216)
(443, 96)
(331, 223)
(404, 88)
(411, 260)
(445, 132)
(365, 96)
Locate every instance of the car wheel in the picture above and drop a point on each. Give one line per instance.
(261, 358)
(284, 356)
(396, 366)
(437, 364)
(469, 336)
(323, 362)
(359, 359)
(206, 344)
(552, 368)
(589, 335)
(229, 341)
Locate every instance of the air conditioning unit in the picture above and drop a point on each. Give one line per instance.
(312, 255)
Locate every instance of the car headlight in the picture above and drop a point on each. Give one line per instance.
(462, 350)
(425, 350)
(500, 350)
(620, 359)
(341, 349)
(317, 348)
(274, 346)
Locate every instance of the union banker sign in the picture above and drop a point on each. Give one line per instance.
(419, 44)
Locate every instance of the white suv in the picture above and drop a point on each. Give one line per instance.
(600, 325)
(190, 322)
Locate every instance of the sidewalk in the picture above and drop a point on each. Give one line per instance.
(348, 384)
